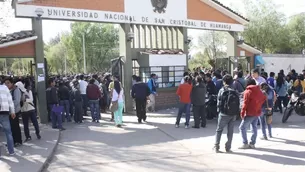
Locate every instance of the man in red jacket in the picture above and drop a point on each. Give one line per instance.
(250, 112)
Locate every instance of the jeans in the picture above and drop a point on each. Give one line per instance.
(223, 121)
(66, 105)
(141, 109)
(15, 127)
(25, 118)
(244, 125)
(95, 109)
(5, 122)
(280, 100)
(85, 103)
(263, 122)
(78, 112)
(199, 114)
(118, 115)
(56, 118)
(184, 107)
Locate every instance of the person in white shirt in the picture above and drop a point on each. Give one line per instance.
(118, 97)
(83, 87)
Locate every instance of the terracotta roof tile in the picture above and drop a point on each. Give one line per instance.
(16, 36)
(219, 3)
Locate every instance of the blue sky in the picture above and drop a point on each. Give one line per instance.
(52, 28)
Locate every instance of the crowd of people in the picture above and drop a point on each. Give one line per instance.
(252, 97)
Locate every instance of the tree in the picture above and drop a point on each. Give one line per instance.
(296, 28)
(212, 45)
(56, 56)
(266, 29)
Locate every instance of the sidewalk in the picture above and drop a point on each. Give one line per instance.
(31, 156)
(157, 146)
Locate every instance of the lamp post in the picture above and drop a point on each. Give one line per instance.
(84, 54)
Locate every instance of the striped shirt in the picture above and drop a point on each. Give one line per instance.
(6, 101)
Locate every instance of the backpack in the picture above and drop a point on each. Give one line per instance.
(229, 102)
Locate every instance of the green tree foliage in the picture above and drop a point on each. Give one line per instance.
(101, 45)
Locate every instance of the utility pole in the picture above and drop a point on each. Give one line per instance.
(84, 54)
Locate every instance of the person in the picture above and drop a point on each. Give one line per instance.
(281, 89)
(251, 110)
(110, 88)
(52, 102)
(228, 108)
(198, 101)
(239, 83)
(83, 87)
(184, 75)
(267, 109)
(15, 126)
(28, 111)
(218, 83)
(255, 75)
(299, 84)
(7, 109)
(140, 92)
(271, 81)
(184, 93)
(93, 96)
(64, 100)
(211, 88)
(153, 92)
(118, 97)
(77, 102)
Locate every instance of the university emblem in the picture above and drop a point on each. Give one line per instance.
(159, 5)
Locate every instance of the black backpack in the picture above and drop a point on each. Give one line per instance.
(229, 102)
(13, 96)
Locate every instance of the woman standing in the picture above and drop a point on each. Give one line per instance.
(266, 117)
(28, 110)
(281, 90)
(118, 97)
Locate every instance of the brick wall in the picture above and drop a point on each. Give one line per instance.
(26, 49)
(103, 5)
(166, 98)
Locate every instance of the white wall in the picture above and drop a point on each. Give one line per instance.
(167, 60)
(287, 62)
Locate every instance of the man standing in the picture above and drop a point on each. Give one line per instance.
(7, 109)
(153, 92)
(83, 87)
(198, 100)
(16, 96)
(258, 79)
(184, 93)
(140, 92)
(250, 112)
(228, 108)
(271, 81)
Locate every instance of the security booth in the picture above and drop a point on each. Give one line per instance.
(154, 26)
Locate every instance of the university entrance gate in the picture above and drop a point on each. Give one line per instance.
(144, 25)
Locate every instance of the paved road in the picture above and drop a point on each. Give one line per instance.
(158, 146)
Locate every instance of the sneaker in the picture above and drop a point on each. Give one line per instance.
(252, 146)
(12, 154)
(97, 121)
(62, 129)
(270, 136)
(17, 144)
(195, 127)
(229, 151)
(264, 138)
(38, 136)
(177, 126)
(216, 149)
(244, 146)
(28, 139)
(186, 127)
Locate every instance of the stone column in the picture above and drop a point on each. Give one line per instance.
(183, 44)
(40, 66)
(232, 49)
(125, 51)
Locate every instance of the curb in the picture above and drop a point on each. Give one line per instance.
(45, 165)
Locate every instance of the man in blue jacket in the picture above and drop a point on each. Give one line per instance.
(153, 92)
(140, 92)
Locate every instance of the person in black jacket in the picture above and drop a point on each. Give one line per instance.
(52, 101)
(77, 102)
(198, 100)
(64, 100)
(140, 92)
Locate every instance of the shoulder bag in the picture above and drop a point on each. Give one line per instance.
(114, 106)
(269, 112)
